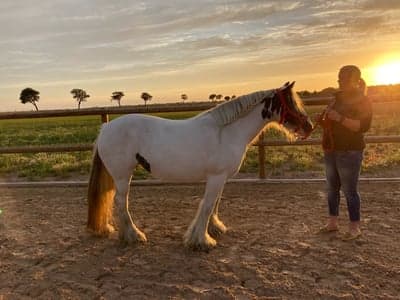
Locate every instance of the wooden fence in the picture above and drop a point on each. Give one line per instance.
(104, 113)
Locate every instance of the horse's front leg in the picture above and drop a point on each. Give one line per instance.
(128, 232)
(197, 236)
(216, 227)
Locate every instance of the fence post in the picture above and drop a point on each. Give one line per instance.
(261, 156)
(104, 118)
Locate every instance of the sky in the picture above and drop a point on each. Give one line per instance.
(168, 48)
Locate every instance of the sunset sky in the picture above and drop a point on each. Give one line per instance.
(195, 47)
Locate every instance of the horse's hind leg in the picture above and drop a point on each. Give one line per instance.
(216, 227)
(197, 235)
(128, 232)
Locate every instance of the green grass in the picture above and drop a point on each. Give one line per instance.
(285, 161)
(49, 131)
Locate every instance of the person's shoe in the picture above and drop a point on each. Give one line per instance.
(327, 229)
(349, 236)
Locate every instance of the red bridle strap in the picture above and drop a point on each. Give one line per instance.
(286, 110)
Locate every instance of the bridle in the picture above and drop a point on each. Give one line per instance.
(288, 111)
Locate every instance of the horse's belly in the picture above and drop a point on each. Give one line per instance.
(179, 173)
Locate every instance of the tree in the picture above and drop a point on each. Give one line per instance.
(212, 97)
(117, 96)
(218, 97)
(80, 96)
(146, 97)
(328, 92)
(227, 98)
(184, 97)
(29, 95)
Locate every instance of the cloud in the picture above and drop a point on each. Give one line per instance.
(56, 40)
(381, 4)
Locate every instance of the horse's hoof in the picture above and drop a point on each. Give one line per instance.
(215, 232)
(216, 228)
(132, 238)
(109, 229)
(103, 232)
(205, 245)
(141, 237)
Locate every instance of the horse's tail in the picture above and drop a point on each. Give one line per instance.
(100, 196)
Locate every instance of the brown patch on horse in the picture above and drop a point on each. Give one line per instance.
(271, 105)
(143, 162)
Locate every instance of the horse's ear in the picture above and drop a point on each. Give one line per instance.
(284, 86)
(292, 84)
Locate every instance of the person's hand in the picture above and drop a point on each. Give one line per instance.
(333, 115)
(317, 118)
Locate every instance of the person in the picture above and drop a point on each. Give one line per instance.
(344, 123)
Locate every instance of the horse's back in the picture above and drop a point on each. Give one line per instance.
(144, 127)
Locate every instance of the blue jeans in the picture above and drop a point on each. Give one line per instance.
(342, 171)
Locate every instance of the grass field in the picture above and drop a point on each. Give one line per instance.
(287, 161)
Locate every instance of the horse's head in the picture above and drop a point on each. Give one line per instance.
(292, 113)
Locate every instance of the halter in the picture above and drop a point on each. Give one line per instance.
(286, 110)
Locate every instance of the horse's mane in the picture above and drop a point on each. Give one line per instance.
(299, 102)
(230, 111)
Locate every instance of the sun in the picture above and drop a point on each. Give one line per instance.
(387, 73)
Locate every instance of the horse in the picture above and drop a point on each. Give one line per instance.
(208, 147)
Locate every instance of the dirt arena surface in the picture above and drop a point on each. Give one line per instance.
(271, 250)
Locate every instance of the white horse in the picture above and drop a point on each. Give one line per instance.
(210, 146)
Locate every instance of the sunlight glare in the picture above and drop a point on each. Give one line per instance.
(387, 73)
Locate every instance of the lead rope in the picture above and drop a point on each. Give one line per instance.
(326, 125)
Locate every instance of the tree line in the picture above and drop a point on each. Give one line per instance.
(376, 93)
(29, 95)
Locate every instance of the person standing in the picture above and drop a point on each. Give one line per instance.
(344, 123)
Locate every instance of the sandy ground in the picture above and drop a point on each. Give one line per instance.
(271, 250)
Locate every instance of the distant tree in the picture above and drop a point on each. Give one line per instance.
(218, 97)
(212, 97)
(117, 96)
(29, 95)
(329, 91)
(80, 96)
(184, 97)
(304, 93)
(146, 97)
(227, 98)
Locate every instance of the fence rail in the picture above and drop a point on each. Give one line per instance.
(104, 113)
(101, 111)
(260, 143)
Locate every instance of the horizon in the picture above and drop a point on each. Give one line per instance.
(190, 47)
(139, 101)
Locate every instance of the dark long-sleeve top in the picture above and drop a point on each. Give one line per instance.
(352, 105)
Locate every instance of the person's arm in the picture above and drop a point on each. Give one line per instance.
(362, 125)
(353, 125)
